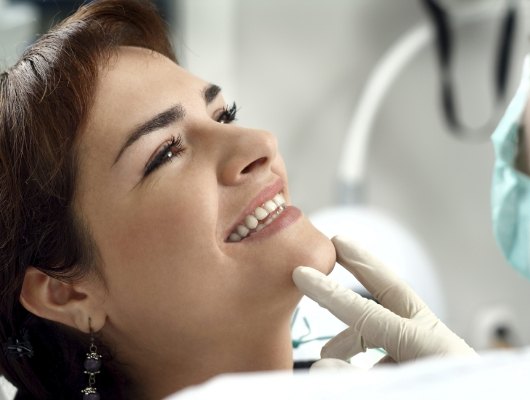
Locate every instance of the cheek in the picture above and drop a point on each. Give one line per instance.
(166, 255)
(142, 238)
(167, 219)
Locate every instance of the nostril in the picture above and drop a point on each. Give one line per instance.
(254, 164)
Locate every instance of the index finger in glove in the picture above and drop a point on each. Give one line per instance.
(378, 326)
(381, 282)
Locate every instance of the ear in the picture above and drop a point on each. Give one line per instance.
(66, 303)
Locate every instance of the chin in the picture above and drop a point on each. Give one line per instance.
(311, 248)
(274, 260)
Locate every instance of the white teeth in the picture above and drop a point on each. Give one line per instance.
(251, 221)
(242, 230)
(267, 213)
(270, 206)
(279, 199)
(234, 237)
(261, 213)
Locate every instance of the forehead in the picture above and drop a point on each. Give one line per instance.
(134, 68)
(136, 84)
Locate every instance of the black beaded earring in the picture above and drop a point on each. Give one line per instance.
(92, 367)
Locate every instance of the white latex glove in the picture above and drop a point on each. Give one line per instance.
(401, 324)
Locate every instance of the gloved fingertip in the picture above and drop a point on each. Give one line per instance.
(347, 249)
(313, 283)
(301, 268)
(341, 240)
(346, 246)
(344, 345)
(298, 272)
(354, 256)
(302, 273)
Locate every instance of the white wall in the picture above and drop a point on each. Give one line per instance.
(18, 24)
(298, 67)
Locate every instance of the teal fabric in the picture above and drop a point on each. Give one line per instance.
(510, 195)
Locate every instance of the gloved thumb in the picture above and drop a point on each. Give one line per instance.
(344, 345)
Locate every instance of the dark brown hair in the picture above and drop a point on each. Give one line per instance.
(44, 100)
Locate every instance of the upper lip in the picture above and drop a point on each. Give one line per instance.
(266, 194)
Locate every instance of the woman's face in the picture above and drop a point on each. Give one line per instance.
(164, 180)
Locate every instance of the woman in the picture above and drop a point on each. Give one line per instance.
(137, 222)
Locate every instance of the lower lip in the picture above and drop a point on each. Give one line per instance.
(288, 216)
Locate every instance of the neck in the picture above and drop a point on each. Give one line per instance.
(266, 348)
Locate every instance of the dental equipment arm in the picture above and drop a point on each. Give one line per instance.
(401, 323)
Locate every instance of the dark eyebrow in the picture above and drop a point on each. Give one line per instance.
(210, 93)
(159, 121)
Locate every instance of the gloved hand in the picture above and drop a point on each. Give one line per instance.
(401, 324)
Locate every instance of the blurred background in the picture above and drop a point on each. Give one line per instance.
(310, 71)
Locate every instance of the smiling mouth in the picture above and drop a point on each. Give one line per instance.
(259, 219)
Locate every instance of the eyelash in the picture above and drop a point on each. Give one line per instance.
(174, 148)
(228, 115)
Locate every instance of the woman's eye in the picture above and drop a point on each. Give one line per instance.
(228, 115)
(173, 148)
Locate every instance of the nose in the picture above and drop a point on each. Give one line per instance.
(247, 154)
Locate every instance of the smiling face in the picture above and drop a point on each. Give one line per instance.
(165, 182)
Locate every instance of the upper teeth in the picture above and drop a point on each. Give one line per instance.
(253, 222)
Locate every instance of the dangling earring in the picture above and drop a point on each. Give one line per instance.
(92, 367)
